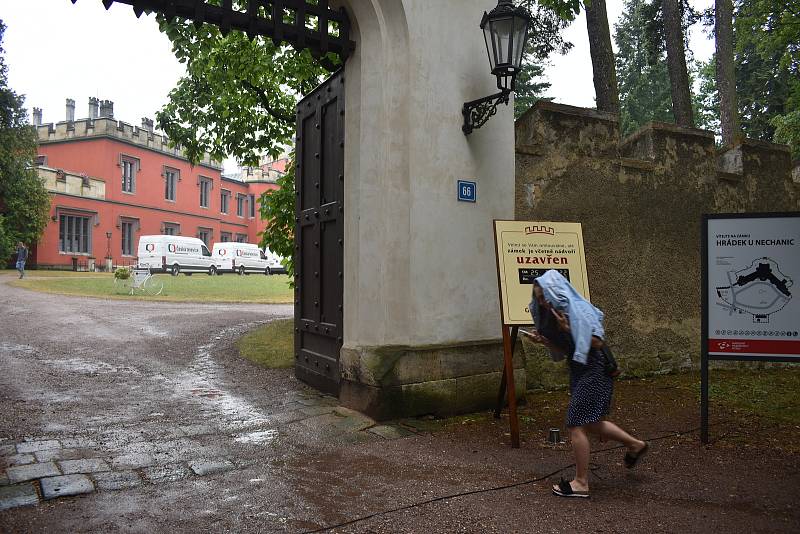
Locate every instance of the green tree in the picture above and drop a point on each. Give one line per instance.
(767, 56)
(548, 20)
(238, 98)
(706, 99)
(674, 38)
(529, 88)
(603, 68)
(643, 78)
(726, 71)
(24, 202)
(767, 66)
(787, 130)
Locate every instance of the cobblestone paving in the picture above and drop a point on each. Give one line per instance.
(150, 395)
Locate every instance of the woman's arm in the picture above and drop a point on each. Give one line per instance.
(536, 337)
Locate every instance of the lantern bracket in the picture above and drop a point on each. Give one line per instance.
(477, 112)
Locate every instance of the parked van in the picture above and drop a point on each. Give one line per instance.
(241, 258)
(274, 261)
(175, 254)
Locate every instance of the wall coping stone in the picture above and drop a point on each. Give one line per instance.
(762, 145)
(546, 105)
(665, 127)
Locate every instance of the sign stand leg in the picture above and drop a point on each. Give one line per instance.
(704, 397)
(501, 394)
(509, 340)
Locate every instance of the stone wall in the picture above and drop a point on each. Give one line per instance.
(640, 201)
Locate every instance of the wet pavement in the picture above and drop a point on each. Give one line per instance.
(141, 417)
(107, 396)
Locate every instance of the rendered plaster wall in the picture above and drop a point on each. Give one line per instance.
(420, 279)
(640, 202)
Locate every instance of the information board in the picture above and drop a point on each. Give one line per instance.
(524, 251)
(749, 307)
(752, 268)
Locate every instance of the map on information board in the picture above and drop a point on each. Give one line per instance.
(760, 290)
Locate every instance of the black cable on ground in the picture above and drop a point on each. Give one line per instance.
(486, 490)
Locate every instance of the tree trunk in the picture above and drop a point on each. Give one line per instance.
(676, 63)
(605, 76)
(726, 75)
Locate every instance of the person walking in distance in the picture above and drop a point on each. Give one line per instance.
(570, 326)
(22, 257)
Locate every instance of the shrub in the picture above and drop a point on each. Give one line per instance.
(122, 273)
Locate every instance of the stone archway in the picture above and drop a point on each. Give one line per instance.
(420, 296)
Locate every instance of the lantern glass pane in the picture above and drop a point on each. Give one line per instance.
(487, 37)
(520, 34)
(501, 29)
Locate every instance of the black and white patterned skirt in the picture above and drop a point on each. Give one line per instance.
(590, 389)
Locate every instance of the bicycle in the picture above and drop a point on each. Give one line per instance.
(141, 280)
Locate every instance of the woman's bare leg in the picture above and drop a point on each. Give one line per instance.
(608, 430)
(581, 449)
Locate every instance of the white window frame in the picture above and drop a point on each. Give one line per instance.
(133, 224)
(175, 227)
(176, 177)
(81, 235)
(205, 230)
(224, 201)
(135, 167)
(204, 182)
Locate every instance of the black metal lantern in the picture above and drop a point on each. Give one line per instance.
(505, 30)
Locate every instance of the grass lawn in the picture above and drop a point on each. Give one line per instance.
(196, 288)
(270, 345)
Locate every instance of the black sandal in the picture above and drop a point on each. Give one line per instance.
(632, 459)
(565, 490)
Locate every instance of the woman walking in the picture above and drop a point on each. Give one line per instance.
(569, 326)
(22, 257)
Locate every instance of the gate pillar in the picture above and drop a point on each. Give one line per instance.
(421, 313)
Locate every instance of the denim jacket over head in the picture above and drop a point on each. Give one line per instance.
(585, 320)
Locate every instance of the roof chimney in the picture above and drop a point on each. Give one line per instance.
(93, 102)
(37, 116)
(70, 110)
(106, 109)
(147, 124)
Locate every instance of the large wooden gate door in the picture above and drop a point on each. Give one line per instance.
(319, 235)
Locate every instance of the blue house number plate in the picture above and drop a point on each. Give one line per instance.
(466, 191)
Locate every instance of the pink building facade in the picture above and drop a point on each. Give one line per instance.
(112, 182)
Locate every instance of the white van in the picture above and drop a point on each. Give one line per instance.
(275, 262)
(175, 254)
(242, 258)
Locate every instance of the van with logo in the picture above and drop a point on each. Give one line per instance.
(275, 262)
(240, 258)
(175, 254)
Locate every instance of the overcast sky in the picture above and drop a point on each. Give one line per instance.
(56, 50)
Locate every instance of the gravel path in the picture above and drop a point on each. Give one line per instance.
(141, 417)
